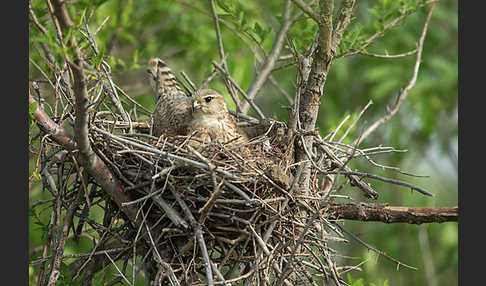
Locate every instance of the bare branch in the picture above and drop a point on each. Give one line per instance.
(308, 10)
(61, 12)
(387, 27)
(223, 57)
(270, 60)
(34, 19)
(310, 95)
(242, 92)
(403, 94)
(388, 180)
(354, 122)
(391, 214)
(355, 180)
(342, 22)
(95, 166)
(68, 220)
(375, 250)
(58, 133)
(387, 56)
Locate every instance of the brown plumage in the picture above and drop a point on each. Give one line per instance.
(211, 120)
(172, 113)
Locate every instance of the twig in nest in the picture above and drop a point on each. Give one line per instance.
(365, 187)
(169, 155)
(388, 180)
(196, 227)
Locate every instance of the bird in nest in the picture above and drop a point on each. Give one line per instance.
(211, 120)
(204, 115)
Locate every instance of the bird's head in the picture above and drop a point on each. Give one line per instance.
(208, 102)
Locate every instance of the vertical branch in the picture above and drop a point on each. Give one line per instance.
(222, 56)
(62, 14)
(328, 38)
(81, 111)
(342, 22)
(68, 218)
(88, 158)
(313, 88)
(270, 60)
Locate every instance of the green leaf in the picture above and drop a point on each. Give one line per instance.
(80, 20)
(37, 176)
(33, 107)
(65, 275)
(67, 36)
(226, 5)
(261, 32)
(352, 282)
(134, 61)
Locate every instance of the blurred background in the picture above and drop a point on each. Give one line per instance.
(182, 33)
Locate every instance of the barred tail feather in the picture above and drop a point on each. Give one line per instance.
(162, 79)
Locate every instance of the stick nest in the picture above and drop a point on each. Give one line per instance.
(238, 200)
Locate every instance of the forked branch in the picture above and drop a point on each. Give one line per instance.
(403, 94)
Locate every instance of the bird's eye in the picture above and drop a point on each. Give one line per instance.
(208, 99)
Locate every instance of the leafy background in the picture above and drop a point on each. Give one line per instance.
(182, 33)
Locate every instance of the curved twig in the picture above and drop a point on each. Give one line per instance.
(403, 94)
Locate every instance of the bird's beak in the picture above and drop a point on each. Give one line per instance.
(196, 105)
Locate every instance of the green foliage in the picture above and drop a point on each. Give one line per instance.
(182, 32)
(32, 109)
(361, 282)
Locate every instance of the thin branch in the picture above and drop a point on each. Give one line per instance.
(387, 27)
(34, 19)
(270, 60)
(222, 55)
(188, 80)
(355, 180)
(196, 227)
(374, 249)
(355, 121)
(403, 94)
(68, 220)
(387, 56)
(242, 92)
(387, 180)
(308, 10)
